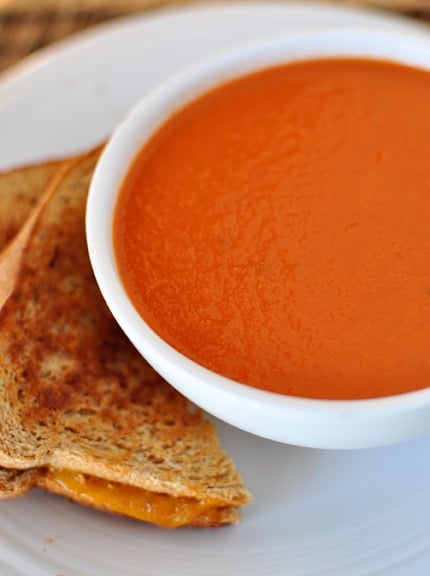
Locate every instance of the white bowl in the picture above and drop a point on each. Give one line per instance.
(300, 421)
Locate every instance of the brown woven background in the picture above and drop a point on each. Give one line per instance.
(27, 25)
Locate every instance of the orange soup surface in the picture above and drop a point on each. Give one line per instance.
(277, 229)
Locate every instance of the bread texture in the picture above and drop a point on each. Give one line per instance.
(20, 190)
(74, 393)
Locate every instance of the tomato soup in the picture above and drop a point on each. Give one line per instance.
(277, 229)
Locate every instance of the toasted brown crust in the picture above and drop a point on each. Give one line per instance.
(20, 189)
(11, 253)
(75, 394)
(16, 482)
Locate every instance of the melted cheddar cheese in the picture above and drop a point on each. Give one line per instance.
(162, 509)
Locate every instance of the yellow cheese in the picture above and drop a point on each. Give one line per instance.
(162, 509)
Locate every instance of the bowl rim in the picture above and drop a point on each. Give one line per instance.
(309, 417)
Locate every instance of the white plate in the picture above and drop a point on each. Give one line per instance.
(316, 513)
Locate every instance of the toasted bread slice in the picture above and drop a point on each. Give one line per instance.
(16, 201)
(81, 413)
(20, 190)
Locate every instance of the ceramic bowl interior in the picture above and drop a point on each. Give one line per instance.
(300, 421)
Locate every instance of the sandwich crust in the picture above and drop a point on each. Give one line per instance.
(20, 190)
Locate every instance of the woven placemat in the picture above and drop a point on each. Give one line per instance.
(23, 32)
(26, 25)
(129, 5)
